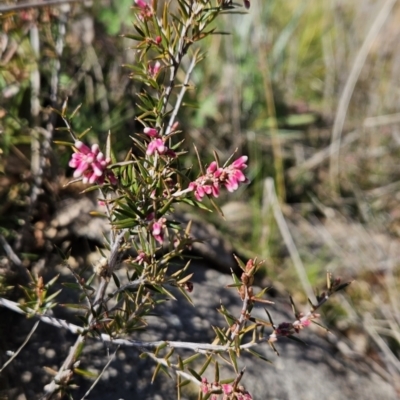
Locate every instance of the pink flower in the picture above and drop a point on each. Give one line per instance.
(157, 230)
(154, 70)
(90, 164)
(141, 257)
(210, 183)
(227, 389)
(145, 10)
(175, 126)
(141, 4)
(240, 163)
(304, 321)
(152, 132)
(204, 386)
(158, 146)
(235, 174)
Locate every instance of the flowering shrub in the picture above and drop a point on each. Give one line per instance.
(139, 193)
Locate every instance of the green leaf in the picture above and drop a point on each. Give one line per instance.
(233, 358)
(191, 358)
(51, 282)
(216, 375)
(205, 365)
(296, 339)
(184, 383)
(258, 355)
(85, 373)
(221, 335)
(195, 374)
(116, 280)
(139, 38)
(72, 115)
(71, 285)
(342, 286)
(240, 262)
(186, 295)
(75, 306)
(54, 295)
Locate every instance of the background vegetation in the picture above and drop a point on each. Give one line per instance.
(277, 88)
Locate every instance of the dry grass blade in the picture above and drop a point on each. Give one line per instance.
(21, 347)
(349, 88)
(101, 374)
(322, 155)
(271, 199)
(390, 357)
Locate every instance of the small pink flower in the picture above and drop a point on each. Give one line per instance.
(230, 177)
(204, 386)
(212, 167)
(305, 322)
(158, 39)
(90, 164)
(235, 174)
(157, 230)
(141, 4)
(152, 132)
(175, 126)
(158, 146)
(240, 163)
(155, 69)
(145, 10)
(141, 257)
(227, 389)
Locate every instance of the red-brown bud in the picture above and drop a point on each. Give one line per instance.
(189, 286)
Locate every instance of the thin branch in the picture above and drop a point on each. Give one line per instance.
(58, 323)
(21, 347)
(75, 329)
(181, 94)
(101, 374)
(54, 83)
(177, 58)
(243, 313)
(35, 112)
(14, 259)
